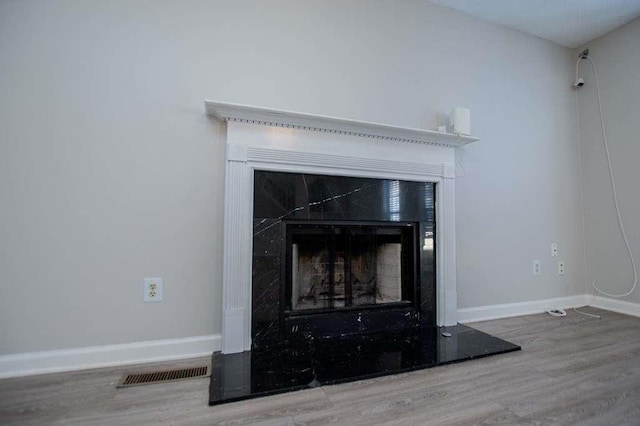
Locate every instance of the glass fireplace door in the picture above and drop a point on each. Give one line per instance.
(347, 266)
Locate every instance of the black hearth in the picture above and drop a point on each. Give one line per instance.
(307, 364)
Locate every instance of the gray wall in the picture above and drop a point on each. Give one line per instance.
(617, 56)
(110, 171)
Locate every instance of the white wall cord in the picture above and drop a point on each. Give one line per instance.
(587, 314)
(614, 191)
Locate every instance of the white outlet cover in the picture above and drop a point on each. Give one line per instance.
(149, 294)
(536, 267)
(554, 250)
(560, 267)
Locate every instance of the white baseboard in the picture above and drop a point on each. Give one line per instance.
(31, 363)
(27, 364)
(615, 305)
(491, 312)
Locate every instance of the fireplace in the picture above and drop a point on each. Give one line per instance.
(266, 140)
(335, 267)
(337, 255)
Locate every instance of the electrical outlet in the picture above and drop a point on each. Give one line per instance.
(152, 289)
(560, 267)
(554, 250)
(536, 267)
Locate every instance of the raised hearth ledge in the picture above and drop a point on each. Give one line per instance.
(264, 139)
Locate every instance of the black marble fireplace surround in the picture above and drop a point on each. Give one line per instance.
(339, 211)
(343, 287)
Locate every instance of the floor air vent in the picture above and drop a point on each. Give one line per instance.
(164, 376)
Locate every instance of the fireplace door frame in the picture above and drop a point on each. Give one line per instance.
(410, 285)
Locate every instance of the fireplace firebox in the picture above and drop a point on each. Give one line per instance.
(338, 266)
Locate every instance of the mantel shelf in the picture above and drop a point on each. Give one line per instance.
(273, 117)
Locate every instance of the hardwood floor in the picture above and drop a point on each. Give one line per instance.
(572, 370)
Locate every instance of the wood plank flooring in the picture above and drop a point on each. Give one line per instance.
(572, 370)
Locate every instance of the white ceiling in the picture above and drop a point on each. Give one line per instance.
(570, 23)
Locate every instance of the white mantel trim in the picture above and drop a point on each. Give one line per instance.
(278, 118)
(298, 158)
(251, 146)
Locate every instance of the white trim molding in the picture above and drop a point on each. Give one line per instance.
(265, 139)
(31, 363)
(276, 156)
(508, 310)
(226, 111)
(26, 364)
(446, 287)
(615, 305)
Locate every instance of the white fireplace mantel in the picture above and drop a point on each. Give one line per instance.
(273, 117)
(268, 139)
